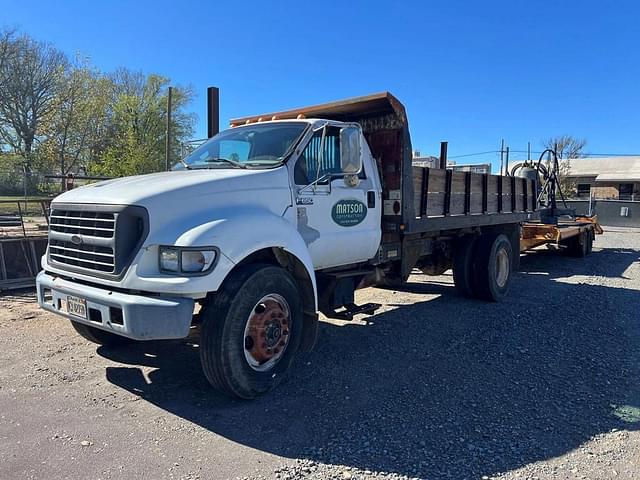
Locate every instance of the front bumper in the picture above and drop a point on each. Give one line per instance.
(134, 316)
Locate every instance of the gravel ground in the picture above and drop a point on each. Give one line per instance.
(544, 385)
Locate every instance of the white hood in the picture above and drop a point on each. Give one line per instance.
(179, 200)
(182, 186)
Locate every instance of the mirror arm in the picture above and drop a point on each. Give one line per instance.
(326, 176)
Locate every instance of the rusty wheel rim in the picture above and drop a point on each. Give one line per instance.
(267, 332)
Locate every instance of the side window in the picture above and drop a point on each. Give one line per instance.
(311, 164)
(583, 189)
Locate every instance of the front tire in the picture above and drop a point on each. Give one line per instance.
(251, 331)
(101, 337)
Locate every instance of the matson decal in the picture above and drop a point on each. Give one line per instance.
(349, 212)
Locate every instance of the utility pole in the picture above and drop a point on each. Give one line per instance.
(501, 155)
(528, 151)
(167, 152)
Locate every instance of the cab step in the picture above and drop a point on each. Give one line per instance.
(351, 309)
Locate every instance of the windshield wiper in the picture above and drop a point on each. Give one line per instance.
(235, 163)
(186, 165)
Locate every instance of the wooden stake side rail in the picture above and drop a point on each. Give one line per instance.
(443, 193)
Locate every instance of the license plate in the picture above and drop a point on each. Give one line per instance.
(77, 306)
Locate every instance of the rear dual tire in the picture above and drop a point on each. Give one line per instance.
(483, 266)
(581, 245)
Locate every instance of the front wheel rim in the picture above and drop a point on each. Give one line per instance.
(267, 332)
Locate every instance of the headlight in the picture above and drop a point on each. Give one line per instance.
(186, 259)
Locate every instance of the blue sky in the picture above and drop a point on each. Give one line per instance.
(468, 72)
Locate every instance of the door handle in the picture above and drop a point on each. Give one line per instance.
(371, 199)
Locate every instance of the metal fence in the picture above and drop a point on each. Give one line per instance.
(613, 213)
(18, 182)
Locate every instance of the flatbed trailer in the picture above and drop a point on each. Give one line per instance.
(574, 236)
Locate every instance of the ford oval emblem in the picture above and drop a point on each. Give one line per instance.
(76, 239)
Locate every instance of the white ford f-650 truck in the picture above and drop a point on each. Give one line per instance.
(267, 223)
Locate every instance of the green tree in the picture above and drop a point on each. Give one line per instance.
(138, 124)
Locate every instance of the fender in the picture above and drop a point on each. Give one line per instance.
(245, 232)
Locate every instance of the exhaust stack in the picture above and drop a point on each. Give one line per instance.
(213, 111)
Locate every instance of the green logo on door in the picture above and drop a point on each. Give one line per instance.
(349, 212)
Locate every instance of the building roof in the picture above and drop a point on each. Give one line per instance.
(606, 168)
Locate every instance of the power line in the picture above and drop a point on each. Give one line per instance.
(589, 154)
(474, 154)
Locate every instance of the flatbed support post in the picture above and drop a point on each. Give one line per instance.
(425, 192)
(485, 193)
(467, 193)
(447, 192)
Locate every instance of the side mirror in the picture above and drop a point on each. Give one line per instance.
(350, 150)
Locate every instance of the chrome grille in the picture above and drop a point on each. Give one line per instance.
(94, 224)
(84, 239)
(84, 256)
(99, 240)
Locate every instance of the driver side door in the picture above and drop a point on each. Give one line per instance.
(338, 218)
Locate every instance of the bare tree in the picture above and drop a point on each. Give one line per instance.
(567, 148)
(79, 120)
(7, 51)
(32, 76)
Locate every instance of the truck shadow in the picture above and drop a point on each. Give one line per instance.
(447, 387)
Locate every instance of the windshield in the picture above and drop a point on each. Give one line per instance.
(255, 145)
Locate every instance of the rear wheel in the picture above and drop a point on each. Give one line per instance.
(463, 263)
(493, 267)
(589, 241)
(579, 246)
(100, 337)
(251, 331)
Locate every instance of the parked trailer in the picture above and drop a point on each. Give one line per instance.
(281, 216)
(575, 237)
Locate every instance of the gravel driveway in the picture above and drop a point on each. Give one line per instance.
(544, 385)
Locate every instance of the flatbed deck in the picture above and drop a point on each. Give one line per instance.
(536, 234)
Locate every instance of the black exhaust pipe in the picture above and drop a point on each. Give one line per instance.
(213, 111)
